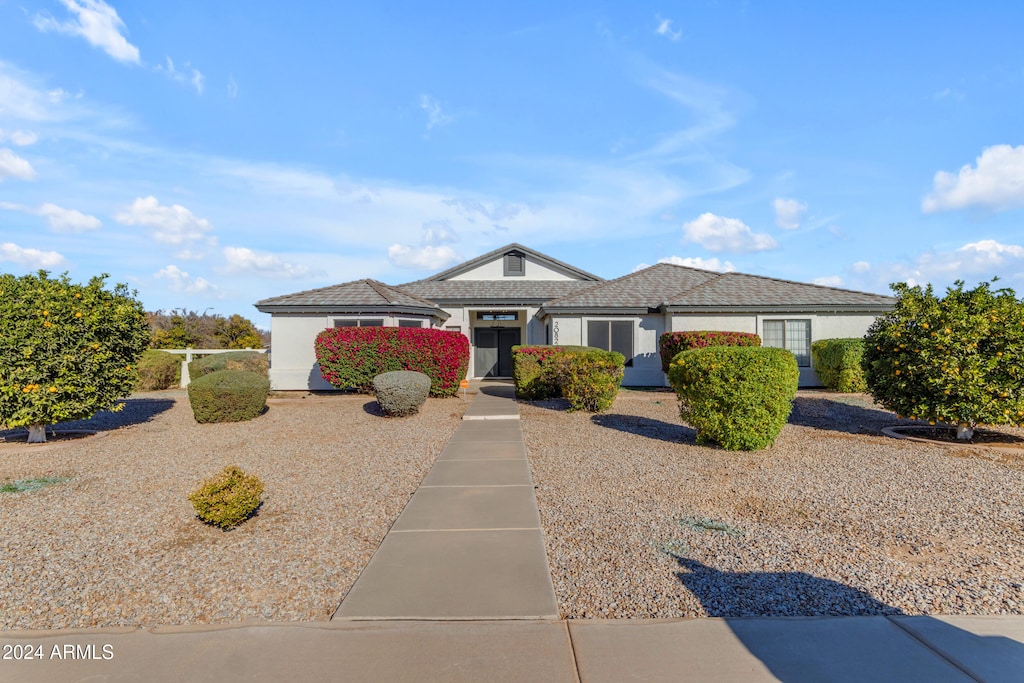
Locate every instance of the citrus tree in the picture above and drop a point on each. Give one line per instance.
(958, 359)
(67, 350)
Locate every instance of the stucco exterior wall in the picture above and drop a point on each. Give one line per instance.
(720, 323)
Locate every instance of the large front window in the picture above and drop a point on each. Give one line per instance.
(792, 335)
(612, 335)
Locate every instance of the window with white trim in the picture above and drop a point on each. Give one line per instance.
(356, 322)
(410, 323)
(612, 335)
(792, 335)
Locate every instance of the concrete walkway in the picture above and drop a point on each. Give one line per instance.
(469, 543)
(460, 591)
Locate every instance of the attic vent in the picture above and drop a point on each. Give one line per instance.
(515, 264)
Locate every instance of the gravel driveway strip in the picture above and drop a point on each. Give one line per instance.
(119, 545)
(834, 519)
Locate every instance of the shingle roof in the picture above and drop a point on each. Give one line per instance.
(741, 290)
(504, 291)
(355, 294)
(681, 287)
(647, 288)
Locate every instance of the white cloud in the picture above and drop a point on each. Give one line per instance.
(60, 219)
(435, 115)
(189, 76)
(232, 88)
(717, 233)
(20, 138)
(169, 224)
(981, 260)
(242, 260)
(996, 182)
(665, 29)
(423, 258)
(181, 281)
(189, 255)
(829, 281)
(13, 166)
(788, 213)
(438, 232)
(695, 262)
(98, 23)
(30, 258)
(861, 267)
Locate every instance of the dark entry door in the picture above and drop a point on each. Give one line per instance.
(494, 351)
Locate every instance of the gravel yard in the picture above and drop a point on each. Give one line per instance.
(834, 519)
(640, 522)
(119, 544)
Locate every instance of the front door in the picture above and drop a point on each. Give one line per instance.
(494, 351)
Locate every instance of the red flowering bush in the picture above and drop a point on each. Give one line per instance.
(672, 343)
(350, 357)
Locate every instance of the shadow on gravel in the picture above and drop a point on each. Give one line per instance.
(901, 648)
(647, 427)
(373, 408)
(773, 594)
(841, 413)
(135, 411)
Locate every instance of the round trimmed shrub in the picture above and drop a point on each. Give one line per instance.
(401, 392)
(838, 364)
(227, 499)
(250, 361)
(158, 370)
(737, 397)
(228, 396)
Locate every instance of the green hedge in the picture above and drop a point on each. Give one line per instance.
(158, 370)
(671, 344)
(588, 378)
(532, 373)
(838, 364)
(228, 396)
(737, 397)
(250, 361)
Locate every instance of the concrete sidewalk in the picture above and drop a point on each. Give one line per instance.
(469, 544)
(877, 649)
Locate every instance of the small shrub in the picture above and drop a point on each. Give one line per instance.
(250, 361)
(739, 398)
(228, 499)
(158, 370)
(590, 379)
(671, 344)
(350, 357)
(533, 372)
(228, 396)
(838, 364)
(401, 392)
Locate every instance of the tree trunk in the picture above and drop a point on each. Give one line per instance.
(37, 434)
(964, 431)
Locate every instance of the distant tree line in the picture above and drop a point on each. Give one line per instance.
(181, 328)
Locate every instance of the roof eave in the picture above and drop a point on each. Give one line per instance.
(788, 308)
(324, 309)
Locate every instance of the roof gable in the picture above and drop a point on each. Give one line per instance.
(465, 271)
(643, 289)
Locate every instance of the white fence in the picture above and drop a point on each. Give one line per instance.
(190, 352)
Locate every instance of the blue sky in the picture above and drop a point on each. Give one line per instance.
(211, 154)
